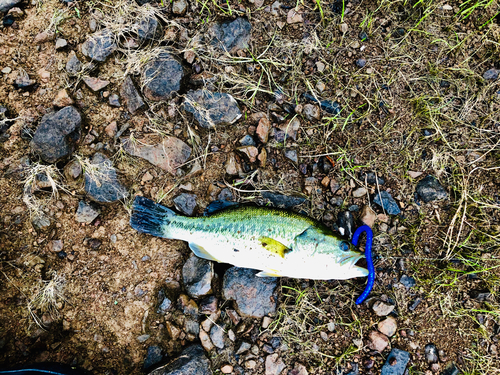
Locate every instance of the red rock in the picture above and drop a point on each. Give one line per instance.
(62, 99)
(388, 326)
(95, 84)
(263, 129)
(378, 341)
(168, 154)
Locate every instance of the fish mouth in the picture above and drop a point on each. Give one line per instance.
(350, 260)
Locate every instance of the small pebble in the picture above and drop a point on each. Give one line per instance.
(360, 63)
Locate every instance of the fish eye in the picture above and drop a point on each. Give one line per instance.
(344, 246)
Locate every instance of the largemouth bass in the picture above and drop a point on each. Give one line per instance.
(273, 241)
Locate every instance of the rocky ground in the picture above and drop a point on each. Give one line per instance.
(378, 112)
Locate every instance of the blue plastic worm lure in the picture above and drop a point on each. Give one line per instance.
(369, 260)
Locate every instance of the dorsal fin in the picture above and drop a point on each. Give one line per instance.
(218, 205)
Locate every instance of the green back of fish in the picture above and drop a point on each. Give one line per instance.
(247, 221)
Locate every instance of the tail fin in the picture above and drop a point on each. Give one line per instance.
(150, 217)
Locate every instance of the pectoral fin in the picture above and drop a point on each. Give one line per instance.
(200, 252)
(269, 273)
(273, 246)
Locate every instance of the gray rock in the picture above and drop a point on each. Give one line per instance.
(198, 275)
(57, 135)
(429, 189)
(289, 129)
(291, 155)
(101, 182)
(86, 213)
(407, 281)
(382, 309)
(61, 43)
(385, 200)
(431, 353)
(225, 195)
(41, 222)
(274, 364)
(114, 101)
(244, 347)
(169, 154)
(450, 369)
(247, 140)
(23, 81)
(231, 36)
(491, 74)
(130, 95)
(162, 77)
(99, 45)
(360, 63)
(311, 112)
(254, 296)
(165, 303)
(282, 201)
(6, 5)
(73, 66)
(185, 203)
(192, 327)
(217, 336)
(372, 179)
(179, 7)
(212, 108)
(396, 362)
(191, 361)
(148, 29)
(153, 357)
(345, 222)
(143, 338)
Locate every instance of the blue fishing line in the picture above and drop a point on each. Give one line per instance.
(369, 260)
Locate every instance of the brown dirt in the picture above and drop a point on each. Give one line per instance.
(110, 294)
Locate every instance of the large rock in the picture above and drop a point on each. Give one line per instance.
(57, 135)
(197, 275)
(99, 45)
(101, 181)
(254, 296)
(162, 77)
(231, 36)
(167, 154)
(192, 360)
(6, 5)
(212, 108)
(131, 96)
(429, 189)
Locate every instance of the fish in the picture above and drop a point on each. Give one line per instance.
(276, 242)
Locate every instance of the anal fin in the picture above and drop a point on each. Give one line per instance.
(200, 252)
(268, 273)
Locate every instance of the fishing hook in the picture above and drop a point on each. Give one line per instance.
(369, 260)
